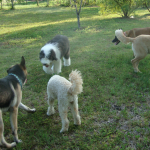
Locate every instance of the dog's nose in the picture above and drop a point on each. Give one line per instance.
(46, 65)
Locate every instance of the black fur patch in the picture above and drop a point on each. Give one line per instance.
(116, 41)
(52, 55)
(41, 55)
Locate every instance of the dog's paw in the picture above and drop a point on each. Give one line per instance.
(48, 70)
(7, 145)
(67, 62)
(32, 110)
(18, 141)
(63, 130)
(50, 111)
(77, 123)
(13, 144)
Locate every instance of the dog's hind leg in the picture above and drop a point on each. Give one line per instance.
(2, 139)
(66, 58)
(135, 63)
(75, 112)
(14, 124)
(51, 109)
(24, 107)
(63, 111)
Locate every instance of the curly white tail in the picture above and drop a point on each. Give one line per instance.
(76, 80)
(120, 35)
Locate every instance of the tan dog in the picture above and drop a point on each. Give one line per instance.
(133, 33)
(140, 46)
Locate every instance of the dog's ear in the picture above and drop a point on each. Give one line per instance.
(52, 55)
(9, 69)
(22, 63)
(42, 54)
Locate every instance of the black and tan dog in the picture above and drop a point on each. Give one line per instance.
(133, 33)
(10, 99)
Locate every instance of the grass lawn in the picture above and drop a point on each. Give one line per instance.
(115, 103)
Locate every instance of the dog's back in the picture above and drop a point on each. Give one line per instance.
(63, 43)
(137, 31)
(58, 85)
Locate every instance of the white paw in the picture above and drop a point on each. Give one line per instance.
(63, 130)
(50, 113)
(48, 70)
(67, 62)
(33, 110)
(13, 144)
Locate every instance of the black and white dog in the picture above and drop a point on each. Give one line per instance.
(52, 52)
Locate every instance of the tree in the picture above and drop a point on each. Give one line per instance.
(37, 1)
(146, 3)
(12, 4)
(78, 10)
(1, 3)
(47, 3)
(124, 7)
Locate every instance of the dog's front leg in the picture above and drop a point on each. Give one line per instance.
(13, 121)
(24, 107)
(57, 66)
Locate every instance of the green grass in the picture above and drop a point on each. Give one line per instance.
(115, 104)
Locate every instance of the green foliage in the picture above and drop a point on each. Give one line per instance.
(20, 1)
(146, 4)
(123, 7)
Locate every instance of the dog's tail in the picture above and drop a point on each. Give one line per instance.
(120, 35)
(76, 80)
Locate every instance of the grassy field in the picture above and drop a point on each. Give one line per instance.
(115, 103)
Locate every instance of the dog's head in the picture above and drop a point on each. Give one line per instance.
(116, 41)
(47, 55)
(19, 70)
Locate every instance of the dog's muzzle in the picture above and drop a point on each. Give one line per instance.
(46, 65)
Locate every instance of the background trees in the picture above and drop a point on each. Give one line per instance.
(123, 7)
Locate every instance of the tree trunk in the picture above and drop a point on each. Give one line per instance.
(1, 4)
(78, 13)
(146, 7)
(78, 17)
(12, 4)
(37, 1)
(47, 3)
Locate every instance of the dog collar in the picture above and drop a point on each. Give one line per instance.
(16, 78)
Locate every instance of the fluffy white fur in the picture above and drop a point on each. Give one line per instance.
(54, 66)
(57, 64)
(67, 94)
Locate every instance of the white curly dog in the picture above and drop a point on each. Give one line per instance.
(67, 94)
